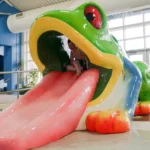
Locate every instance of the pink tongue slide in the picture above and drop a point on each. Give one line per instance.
(32, 95)
(34, 121)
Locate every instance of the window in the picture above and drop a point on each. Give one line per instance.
(133, 32)
(131, 29)
(116, 23)
(118, 34)
(134, 44)
(28, 62)
(148, 42)
(133, 18)
(147, 29)
(29, 58)
(121, 44)
(147, 15)
(136, 57)
(31, 65)
(149, 58)
(1, 50)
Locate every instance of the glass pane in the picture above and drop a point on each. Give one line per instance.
(27, 47)
(148, 42)
(136, 57)
(29, 57)
(115, 23)
(133, 19)
(2, 51)
(134, 44)
(121, 43)
(31, 65)
(149, 59)
(147, 16)
(24, 37)
(134, 32)
(118, 34)
(147, 30)
(28, 33)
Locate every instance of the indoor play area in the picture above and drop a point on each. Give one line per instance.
(75, 74)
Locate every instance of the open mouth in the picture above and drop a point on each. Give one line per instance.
(45, 41)
(54, 53)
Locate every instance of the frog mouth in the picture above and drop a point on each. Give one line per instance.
(52, 53)
(45, 35)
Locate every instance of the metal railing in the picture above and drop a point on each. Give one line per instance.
(18, 75)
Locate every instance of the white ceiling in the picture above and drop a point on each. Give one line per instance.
(116, 6)
(24, 22)
(109, 6)
(25, 5)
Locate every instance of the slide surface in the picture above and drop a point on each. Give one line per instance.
(48, 112)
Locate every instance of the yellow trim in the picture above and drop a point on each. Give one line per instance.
(96, 57)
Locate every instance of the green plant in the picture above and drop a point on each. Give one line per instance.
(20, 75)
(20, 65)
(24, 91)
(32, 78)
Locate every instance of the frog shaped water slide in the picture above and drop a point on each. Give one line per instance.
(102, 99)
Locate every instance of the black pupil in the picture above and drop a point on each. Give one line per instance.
(90, 17)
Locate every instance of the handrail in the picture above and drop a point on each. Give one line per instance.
(17, 72)
(11, 72)
(19, 90)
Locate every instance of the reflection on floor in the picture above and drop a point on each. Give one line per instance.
(142, 118)
(133, 140)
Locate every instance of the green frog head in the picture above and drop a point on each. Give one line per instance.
(145, 88)
(86, 26)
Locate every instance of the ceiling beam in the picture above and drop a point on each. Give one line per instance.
(9, 3)
(7, 14)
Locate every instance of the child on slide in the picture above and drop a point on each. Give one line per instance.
(79, 61)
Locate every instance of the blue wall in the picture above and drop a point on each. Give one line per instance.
(12, 46)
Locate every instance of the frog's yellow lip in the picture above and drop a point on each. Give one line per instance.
(95, 56)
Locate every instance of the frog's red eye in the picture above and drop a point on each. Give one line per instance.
(93, 15)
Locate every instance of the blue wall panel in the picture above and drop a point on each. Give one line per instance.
(12, 46)
(8, 66)
(4, 7)
(6, 37)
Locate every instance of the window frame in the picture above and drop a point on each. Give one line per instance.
(124, 27)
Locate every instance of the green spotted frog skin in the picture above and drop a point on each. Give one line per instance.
(144, 95)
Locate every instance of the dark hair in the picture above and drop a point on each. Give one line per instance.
(69, 41)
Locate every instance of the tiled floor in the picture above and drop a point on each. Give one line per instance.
(134, 140)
